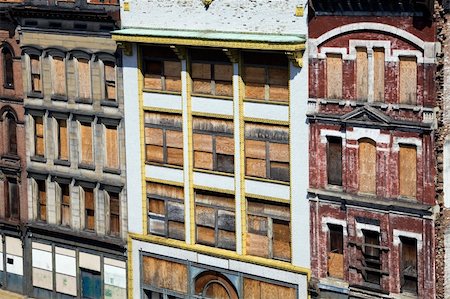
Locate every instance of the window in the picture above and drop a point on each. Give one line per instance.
(11, 129)
(379, 61)
(212, 284)
(213, 144)
(335, 251)
(84, 79)
(114, 214)
(267, 151)
(165, 276)
(89, 207)
(362, 74)
(8, 71)
(163, 138)
(162, 69)
(372, 257)
(59, 76)
(87, 151)
(408, 80)
(367, 166)
(12, 203)
(112, 147)
(334, 76)
(408, 171)
(266, 76)
(91, 284)
(65, 204)
(408, 266)
(35, 66)
(334, 161)
(268, 227)
(166, 210)
(110, 80)
(39, 145)
(212, 73)
(215, 220)
(63, 140)
(41, 200)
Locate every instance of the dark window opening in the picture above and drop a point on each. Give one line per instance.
(408, 266)
(334, 161)
(8, 70)
(372, 257)
(13, 200)
(12, 134)
(336, 251)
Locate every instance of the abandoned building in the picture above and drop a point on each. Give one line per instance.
(372, 99)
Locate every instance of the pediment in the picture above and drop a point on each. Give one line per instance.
(367, 115)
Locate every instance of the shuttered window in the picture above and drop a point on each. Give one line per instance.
(163, 138)
(59, 76)
(213, 144)
(8, 62)
(41, 200)
(215, 220)
(266, 76)
(334, 76)
(112, 147)
(267, 151)
(63, 140)
(408, 170)
(408, 265)
(336, 251)
(35, 67)
(362, 74)
(39, 146)
(114, 214)
(12, 204)
(408, 80)
(372, 257)
(84, 79)
(162, 69)
(65, 204)
(379, 61)
(110, 80)
(367, 166)
(87, 155)
(269, 233)
(89, 209)
(165, 210)
(334, 161)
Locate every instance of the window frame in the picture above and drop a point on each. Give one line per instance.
(114, 196)
(401, 268)
(41, 202)
(64, 205)
(337, 141)
(8, 69)
(10, 202)
(37, 137)
(86, 210)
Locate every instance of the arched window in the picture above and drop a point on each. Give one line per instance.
(8, 74)
(11, 129)
(367, 165)
(214, 285)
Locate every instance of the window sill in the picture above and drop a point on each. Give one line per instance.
(13, 157)
(61, 162)
(162, 91)
(86, 166)
(8, 86)
(111, 170)
(35, 95)
(268, 180)
(334, 188)
(59, 98)
(38, 159)
(281, 103)
(109, 103)
(83, 101)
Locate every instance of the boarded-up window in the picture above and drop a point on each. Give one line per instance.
(367, 166)
(163, 138)
(255, 289)
(65, 204)
(12, 203)
(63, 140)
(87, 155)
(372, 257)
(213, 144)
(408, 170)
(336, 251)
(84, 79)
(408, 266)
(268, 228)
(334, 76)
(362, 74)
(165, 275)
(267, 151)
(212, 73)
(266, 76)
(59, 76)
(334, 161)
(110, 80)
(8, 75)
(212, 284)
(12, 133)
(162, 69)
(41, 200)
(215, 220)
(378, 87)
(35, 67)
(39, 147)
(112, 147)
(114, 214)
(408, 80)
(165, 210)
(89, 209)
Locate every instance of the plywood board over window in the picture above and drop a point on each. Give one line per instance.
(110, 80)
(265, 290)
(84, 79)
(86, 138)
(39, 145)
(162, 69)
(367, 166)
(112, 147)
(63, 140)
(335, 251)
(41, 200)
(114, 214)
(334, 161)
(165, 274)
(35, 68)
(408, 170)
(362, 74)
(408, 80)
(334, 76)
(379, 62)
(65, 205)
(59, 76)
(89, 208)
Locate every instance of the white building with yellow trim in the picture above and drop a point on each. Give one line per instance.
(217, 148)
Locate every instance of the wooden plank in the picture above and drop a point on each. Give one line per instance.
(336, 265)
(174, 139)
(178, 276)
(254, 74)
(154, 153)
(176, 230)
(279, 152)
(205, 216)
(252, 289)
(112, 147)
(203, 160)
(201, 71)
(63, 145)
(157, 226)
(279, 93)
(257, 224)
(217, 291)
(255, 167)
(379, 62)
(226, 239)
(255, 149)
(281, 240)
(157, 206)
(39, 132)
(278, 211)
(206, 236)
(334, 76)
(165, 190)
(408, 80)
(224, 89)
(255, 91)
(173, 84)
(408, 171)
(202, 142)
(257, 245)
(220, 200)
(275, 133)
(226, 220)
(269, 291)
(154, 136)
(201, 86)
(279, 76)
(367, 166)
(279, 171)
(172, 69)
(59, 77)
(35, 64)
(223, 72)
(84, 79)
(225, 145)
(110, 71)
(175, 156)
(86, 143)
(362, 74)
(152, 82)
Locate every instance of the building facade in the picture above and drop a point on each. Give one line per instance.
(372, 164)
(71, 140)
(216, 148)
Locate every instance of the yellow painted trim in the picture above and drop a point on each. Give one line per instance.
(214, 172)
(130, 267)
(164, 110)
(213, 97)
(212, 189)
(164, 92)
(266, 121)
(222, 253)
(164, 182)
(213, 115)
(249, 45)
(266, 102)
(251, 178)
(267, 198)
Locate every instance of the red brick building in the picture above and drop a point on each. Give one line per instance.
(372, 166)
